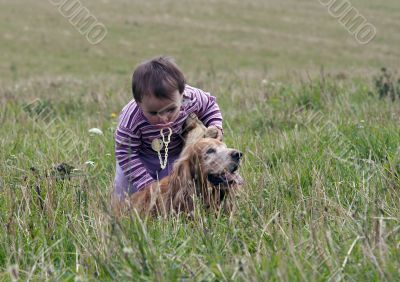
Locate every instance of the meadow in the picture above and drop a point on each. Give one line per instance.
(299, 96)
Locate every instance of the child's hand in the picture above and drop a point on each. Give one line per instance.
(214, 132)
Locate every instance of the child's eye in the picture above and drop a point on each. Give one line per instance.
(172, 110)
(153, 113)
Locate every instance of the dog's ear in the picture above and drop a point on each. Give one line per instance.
(181, 174)
(182, 182)
(194, 130)
(184, 170)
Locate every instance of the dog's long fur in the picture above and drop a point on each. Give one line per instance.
(190, 179)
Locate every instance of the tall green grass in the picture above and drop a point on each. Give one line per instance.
(321, 199)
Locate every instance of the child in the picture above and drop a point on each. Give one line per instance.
(162, 102)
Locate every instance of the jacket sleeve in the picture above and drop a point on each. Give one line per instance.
(208, 110)
(127, 144)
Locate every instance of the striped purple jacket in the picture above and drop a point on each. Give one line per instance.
(134, 133)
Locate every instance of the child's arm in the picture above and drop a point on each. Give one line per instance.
(220, 133)
(127, 145)
(208, 111)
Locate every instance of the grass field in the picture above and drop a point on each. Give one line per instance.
(298, 96)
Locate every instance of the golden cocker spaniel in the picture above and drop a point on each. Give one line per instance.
(206, 170)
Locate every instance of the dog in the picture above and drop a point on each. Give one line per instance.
(206, 170)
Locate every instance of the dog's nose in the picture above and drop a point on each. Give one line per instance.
(236, 155)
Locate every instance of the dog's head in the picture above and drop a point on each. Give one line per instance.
(207, 169)
(218, 163)
(210, 160)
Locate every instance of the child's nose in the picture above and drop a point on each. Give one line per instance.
(163, 118)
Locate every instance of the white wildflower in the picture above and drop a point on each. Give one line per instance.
(127, 250)
(89, 163)
(96, 131)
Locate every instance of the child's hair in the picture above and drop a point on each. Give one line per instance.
(160, 77)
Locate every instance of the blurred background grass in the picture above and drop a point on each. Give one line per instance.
(252, 37)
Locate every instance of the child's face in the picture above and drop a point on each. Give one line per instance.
(161, 112)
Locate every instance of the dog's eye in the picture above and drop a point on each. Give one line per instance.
(210, 151)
